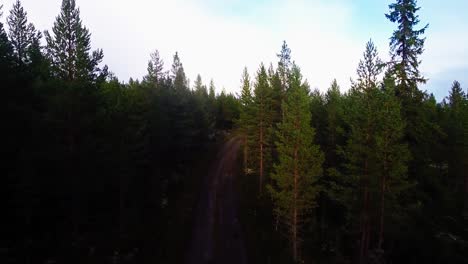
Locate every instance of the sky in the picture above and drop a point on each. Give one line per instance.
(217, 39)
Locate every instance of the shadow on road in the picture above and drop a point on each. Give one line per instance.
(216, 236)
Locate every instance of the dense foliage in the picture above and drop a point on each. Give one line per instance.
(103, 171)
(96, 168)
(392, 186)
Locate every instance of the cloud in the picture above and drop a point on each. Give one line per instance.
(216, 46)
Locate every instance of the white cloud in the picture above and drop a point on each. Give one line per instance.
(215, 46)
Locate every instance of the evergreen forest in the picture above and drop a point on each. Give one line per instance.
(164, 170)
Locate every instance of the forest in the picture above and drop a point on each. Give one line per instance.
(161, 170)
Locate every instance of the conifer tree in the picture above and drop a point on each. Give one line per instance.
(176, 65)
(278, 93)
(300, 163)
(201, 112)
(392, 156)
(457, 141)
(198, 85)
(23, 35)
(370, 67)
(178, 75)
(376, 156)
(212, 90)
(406, 45)
(6, 51)
(69, 47)
(333, 106)
(155, 69)
(246, 117)
(212, 103)
(262, 108)
(284, 65)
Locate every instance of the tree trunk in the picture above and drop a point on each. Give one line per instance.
(260, 181)
(72, 166)
(295, 220)
(365, 230)
(382, 206)
(245, 154)
(465, 211)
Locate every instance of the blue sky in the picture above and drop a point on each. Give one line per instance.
(218, 38)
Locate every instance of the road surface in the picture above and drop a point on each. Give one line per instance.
(217, 236)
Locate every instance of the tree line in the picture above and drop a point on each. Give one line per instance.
(95, 167)
(101, 170)
(375, 174)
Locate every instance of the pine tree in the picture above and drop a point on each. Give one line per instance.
(277, 93)
(300, 163)
(359, 183)
(178, 75)
(406, 46)
(69, 47)
(370, 67)
(392, 157)
(280, 82)
(155, 69)
(212, 90)
(212, 104)
(465, 156)
(262, 108)
(456, 141)
(6, 50)
(456, 96)
(333, 106)
(284, 65)
(23, 36)
(176, 65)
(201, 112)
(246, 117)
(376, 157)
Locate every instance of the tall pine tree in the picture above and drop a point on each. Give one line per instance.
(23, 35)
(263, 112)
(69, 47)
(300, 163)
(246, 118)
(6, 50)
(155, 69)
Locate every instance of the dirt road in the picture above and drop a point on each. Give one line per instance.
(217, 234)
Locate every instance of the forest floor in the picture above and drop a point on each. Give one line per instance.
(217, 235)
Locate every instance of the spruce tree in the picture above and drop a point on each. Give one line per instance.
(300, 163)
(69, 47)
(23, 35)
(406, 45)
